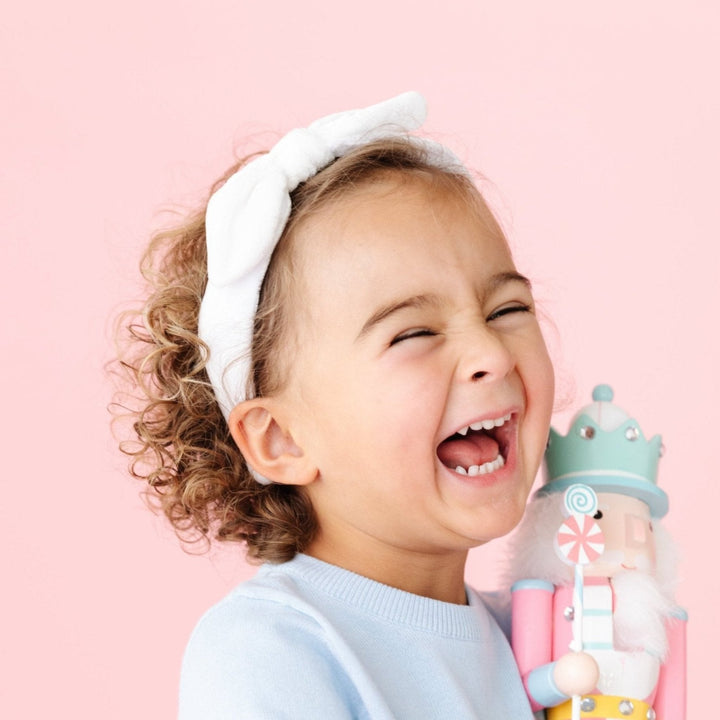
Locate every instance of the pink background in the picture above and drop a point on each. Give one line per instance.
(597, 124)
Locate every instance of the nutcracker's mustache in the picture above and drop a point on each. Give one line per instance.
(640, 561)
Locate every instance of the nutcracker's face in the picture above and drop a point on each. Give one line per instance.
(629, 541)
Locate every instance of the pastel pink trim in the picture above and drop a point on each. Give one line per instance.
(671, 699)
(531, 639)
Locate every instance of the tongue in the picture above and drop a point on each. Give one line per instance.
(475, 449)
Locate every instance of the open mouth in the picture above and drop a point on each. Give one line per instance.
(478, 449)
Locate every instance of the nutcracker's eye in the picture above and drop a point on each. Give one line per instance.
(650, 525)
(598, 515)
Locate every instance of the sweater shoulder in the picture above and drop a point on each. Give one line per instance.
(255, 651)
(266, 604)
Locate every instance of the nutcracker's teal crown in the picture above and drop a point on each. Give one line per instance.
(606, 449)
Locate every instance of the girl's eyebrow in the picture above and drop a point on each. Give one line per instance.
(420, 301)
(506, 277)
(417, 301)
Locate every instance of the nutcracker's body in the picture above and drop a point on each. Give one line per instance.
(631, 627)
(635, 682)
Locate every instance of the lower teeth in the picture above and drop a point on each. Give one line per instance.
(481, 469)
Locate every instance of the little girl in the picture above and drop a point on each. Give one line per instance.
(344, 371)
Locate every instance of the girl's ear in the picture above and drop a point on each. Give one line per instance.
(266, 444)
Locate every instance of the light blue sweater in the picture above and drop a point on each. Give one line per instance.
(305, 640)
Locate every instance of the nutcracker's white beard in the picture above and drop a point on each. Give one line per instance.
(642, 602)
(641, 611)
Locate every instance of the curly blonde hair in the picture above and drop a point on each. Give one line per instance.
(182, 446)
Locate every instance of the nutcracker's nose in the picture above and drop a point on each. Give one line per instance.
(636, 531)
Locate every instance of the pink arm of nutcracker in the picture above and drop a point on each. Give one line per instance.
(547, 682)
(670, 701)
(531, 639)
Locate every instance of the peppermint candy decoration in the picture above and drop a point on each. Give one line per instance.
(580, 540)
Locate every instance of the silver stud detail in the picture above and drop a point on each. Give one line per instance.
(587, 432)
(587, 704)
(650, 715)
(632, 433)
(569, 613)
(626, 707)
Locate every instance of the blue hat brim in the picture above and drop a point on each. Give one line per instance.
(655, 498)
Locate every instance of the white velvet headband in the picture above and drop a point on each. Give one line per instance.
(247, 215)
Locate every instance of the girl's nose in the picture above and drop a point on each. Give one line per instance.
(485, 356)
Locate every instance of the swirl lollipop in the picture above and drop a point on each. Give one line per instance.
(580, 500)
(579, 542)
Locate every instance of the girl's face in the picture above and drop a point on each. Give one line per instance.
(414, 327)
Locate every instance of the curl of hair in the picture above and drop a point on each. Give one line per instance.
(182, 446)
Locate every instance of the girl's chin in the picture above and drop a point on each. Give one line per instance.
(496, 525)
(495, 504)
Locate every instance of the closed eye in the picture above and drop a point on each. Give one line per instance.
(508, 310)
(409, 334)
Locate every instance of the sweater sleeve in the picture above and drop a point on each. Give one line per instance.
(261, 660)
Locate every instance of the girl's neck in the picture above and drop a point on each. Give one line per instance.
(436, 576)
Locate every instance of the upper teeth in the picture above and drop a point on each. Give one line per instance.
(485, 424)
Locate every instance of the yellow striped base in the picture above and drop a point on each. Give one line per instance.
(606, 706)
